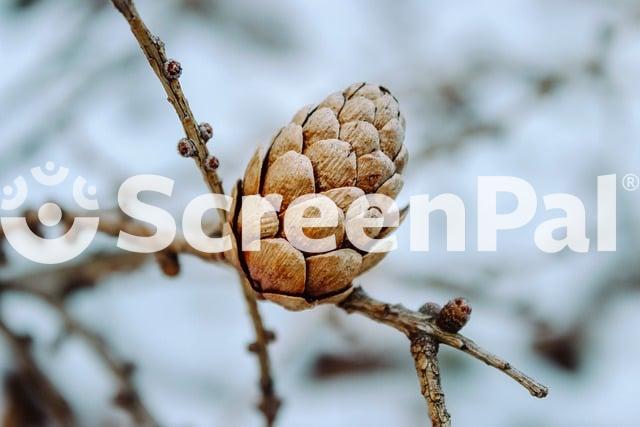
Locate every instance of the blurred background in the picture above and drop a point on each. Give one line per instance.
(544, 90)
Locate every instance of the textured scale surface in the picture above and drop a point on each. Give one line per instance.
(348, 145)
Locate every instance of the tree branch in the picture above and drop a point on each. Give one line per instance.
(424, 350)
(412, 323)
(127, 396)
(270, 402)
(154, 50)
(56, 405)
(112, 225)
(65, 280)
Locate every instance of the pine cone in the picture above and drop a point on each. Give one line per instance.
(349, 145)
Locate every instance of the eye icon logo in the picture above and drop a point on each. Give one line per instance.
(49, 250)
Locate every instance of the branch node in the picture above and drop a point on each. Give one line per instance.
(172, 69)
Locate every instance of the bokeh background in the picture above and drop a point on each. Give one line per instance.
(546, 90)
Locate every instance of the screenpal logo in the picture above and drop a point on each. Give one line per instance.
(307, 213)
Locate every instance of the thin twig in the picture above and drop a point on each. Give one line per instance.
(127, 396)
(154, 50)
(412, 322)
(112, 225)
(425, 354)
(270, 403)
(64, 280)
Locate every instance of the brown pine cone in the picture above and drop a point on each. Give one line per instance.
(349, 145)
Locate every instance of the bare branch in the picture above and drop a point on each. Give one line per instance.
(27, 368)
(66, 279)
(154, 50)
(270, 403)
(111, 225)
(425, 354)
(127, 396)
(411, 323)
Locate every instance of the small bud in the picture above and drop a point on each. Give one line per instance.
(169, 262)
(212, 163)
(206, 131)
(454, 315)
(172, 69)
(186, 148)
(270, 335)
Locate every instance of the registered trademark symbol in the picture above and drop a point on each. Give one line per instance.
(631, 182)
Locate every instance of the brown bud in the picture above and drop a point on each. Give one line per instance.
(454, 315)
(186, 148)
(206, 131)
(269, 335)
(169, 263)
(172, 69)
(212, 163)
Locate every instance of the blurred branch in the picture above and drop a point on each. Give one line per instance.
(464, 122)
(168, 72)
(413, 323)
(65, 280)
(127, 396)
(55, 405)
(112, 225)
(167, 259)
(57, 118)
(270, 402)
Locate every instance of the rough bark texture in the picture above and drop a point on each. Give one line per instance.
(425, 354)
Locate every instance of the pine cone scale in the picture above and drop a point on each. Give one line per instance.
(349, 145)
